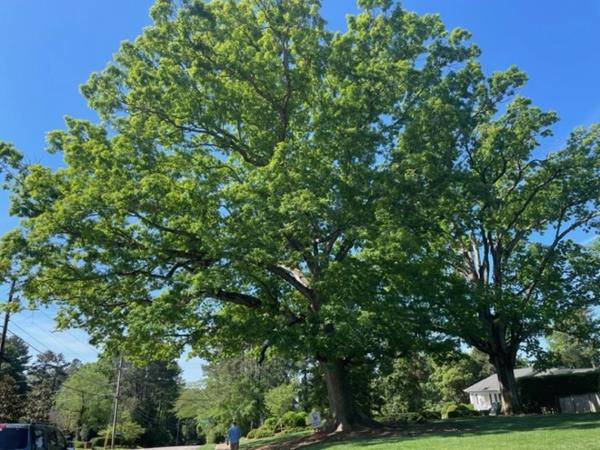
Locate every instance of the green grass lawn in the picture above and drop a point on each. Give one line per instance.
(563, 432)
(246, 444)
(572, 432)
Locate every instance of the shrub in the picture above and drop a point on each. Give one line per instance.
(451, 410)
(98, 441)
(215, 436)
(403, 418)
(270, 424)
(252, 434)
(292, 419)
(280, 399)
(262, 432)
(295, 430)
(431, 414)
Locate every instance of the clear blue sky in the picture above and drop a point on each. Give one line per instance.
(48, 48)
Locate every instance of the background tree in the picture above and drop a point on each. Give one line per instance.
(499, 215)
(51, 368)
(11, 400)
(84, 401)
(233, 184)
(13, 275)
(128, 431)
(426, 381)
(186, 409)
(16, 360)
(281, 399)
(483, 362)
(40, 402)
(232, 389)
(402, 388)
(575, 341)
(45, 376)
(188, 402)
(148, 394)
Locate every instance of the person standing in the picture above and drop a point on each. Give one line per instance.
(233, 436)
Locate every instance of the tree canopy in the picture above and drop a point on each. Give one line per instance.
(257, 181)
(230, 193)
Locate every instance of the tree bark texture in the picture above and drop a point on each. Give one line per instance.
(339, 396)
(505, 368)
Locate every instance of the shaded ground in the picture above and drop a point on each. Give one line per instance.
(526, 432)
(181, 447)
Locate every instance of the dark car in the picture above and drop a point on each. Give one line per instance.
(31, 436)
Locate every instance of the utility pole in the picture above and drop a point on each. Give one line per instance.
(116, 404)
(11, 294)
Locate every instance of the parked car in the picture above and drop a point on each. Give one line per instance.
(32, 436)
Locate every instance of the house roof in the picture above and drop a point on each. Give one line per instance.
(491, 384)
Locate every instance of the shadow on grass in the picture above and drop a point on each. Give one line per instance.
(492, 425)
(473, 426)
(253, 444)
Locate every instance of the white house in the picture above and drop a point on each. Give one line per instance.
(487, 391)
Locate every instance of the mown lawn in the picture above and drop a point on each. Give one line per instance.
(572, 432)
(563, 432)
(246, 444)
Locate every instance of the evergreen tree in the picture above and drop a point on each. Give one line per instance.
(49, 368)
(149, 393)
(15, 364)
(11, 400)
(40, 402)
(46, 375)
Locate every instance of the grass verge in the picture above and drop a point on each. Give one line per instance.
(561, 432)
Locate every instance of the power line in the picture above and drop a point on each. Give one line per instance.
(81, 391)
(68, 331)
(49, 334)
(77, 354)
(31, 336)
(27, 343)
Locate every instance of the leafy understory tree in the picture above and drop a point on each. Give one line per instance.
(575, 341)
(128, 430)
(84, 401)
(281, 399)
(230, 194)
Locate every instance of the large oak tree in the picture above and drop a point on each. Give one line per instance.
(230, 193)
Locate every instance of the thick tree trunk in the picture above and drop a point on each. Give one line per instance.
(344, 415)
(505, 368)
